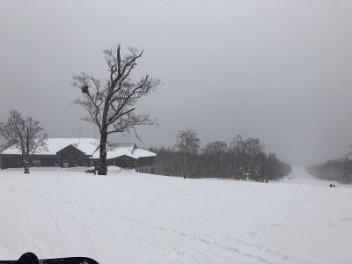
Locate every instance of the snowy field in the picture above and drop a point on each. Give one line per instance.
(128, 217)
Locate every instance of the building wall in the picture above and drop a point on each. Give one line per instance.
(15, 161)
(69, 156)
(72, 157)
(123, 162)
(146, 162)
(142, 164)
(11, 162)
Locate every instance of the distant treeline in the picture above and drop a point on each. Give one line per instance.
(339, 170)
(242, 159)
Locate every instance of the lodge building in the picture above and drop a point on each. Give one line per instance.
(74, 152)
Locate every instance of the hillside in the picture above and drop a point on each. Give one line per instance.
(128, 217)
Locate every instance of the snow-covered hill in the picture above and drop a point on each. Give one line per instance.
(300, 176)
(128, 217)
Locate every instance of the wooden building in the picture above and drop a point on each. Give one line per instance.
(74, 152)
(129, 156)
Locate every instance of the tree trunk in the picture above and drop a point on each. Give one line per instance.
(185, 172)
(26, 163)
(25, 159)
(26, 167)
(102, 169)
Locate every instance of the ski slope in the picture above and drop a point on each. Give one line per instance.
(300, 176)
(128, 217)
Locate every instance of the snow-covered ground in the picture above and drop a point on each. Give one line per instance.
(128, 217)
(300, 176)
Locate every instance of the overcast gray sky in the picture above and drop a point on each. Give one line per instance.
(276, 70)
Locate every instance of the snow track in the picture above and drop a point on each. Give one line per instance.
(138, 218)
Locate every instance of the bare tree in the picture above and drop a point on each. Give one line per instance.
(187, 142)
(216, 153)
(254, 151)
(237, 147)
(24, 134)
(111, 103)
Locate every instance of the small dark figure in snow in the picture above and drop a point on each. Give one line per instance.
(332, 185)
(184, 176)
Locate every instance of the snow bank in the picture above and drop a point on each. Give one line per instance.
(142, 218)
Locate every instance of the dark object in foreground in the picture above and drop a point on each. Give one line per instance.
(332, 185)
(31, 258)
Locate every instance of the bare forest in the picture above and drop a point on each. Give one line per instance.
(242, 159)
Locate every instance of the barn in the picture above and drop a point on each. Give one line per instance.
(74, 152)
(129, 156)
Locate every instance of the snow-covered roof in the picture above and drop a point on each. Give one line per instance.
(130, 151)
(53, 145)
(88, 146)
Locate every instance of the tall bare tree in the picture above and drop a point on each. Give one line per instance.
(24, 134)
(110, 103)
(254, 151)
(187, 142)
(238, 147)
(216, 153)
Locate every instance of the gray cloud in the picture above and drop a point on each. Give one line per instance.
(277, 70)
